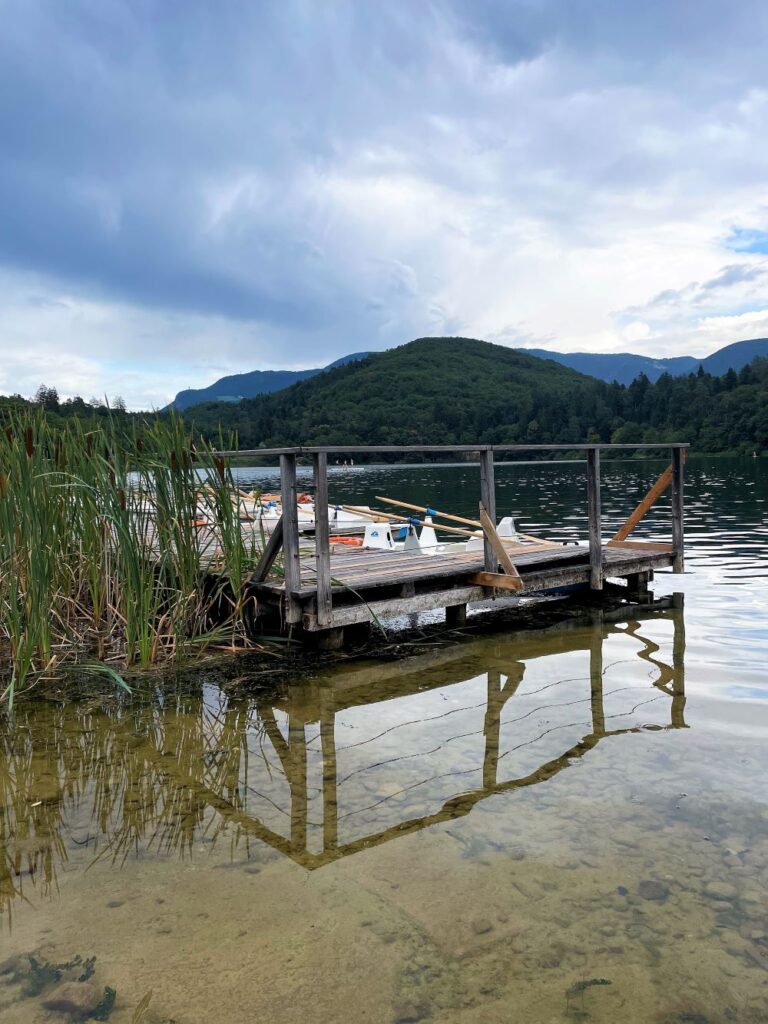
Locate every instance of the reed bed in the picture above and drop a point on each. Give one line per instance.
(120, 545)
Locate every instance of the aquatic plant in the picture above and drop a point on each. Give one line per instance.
(120, 544)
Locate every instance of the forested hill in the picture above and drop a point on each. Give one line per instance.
(431, 391)
(459, 390)
(622, 367)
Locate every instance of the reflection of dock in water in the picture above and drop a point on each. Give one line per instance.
(322, 705)
(333, 766)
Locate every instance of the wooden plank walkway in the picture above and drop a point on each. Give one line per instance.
(372, 569)
(365, 584)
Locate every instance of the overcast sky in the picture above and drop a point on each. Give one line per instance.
(190, 188)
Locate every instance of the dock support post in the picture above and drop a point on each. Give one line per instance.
(291, 562)
(678, 530)
(593, 509)
(456, 616)
(488, 500)
(331, 639)
(322, 546)
(637, 585)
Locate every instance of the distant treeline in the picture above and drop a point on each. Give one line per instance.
(462, 391)
(474, 392)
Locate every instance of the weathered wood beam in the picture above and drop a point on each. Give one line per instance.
(269, 554)
(594, 515)
(488, 505)
(322, 542)
(349, 614)
(678, 527)
(654, 493)
(292, 563)
(499, 554)
(376, 449)
(500, 580)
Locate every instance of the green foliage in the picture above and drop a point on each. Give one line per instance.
(431, 391)
(462, 391)
(106, 1005)
(117, 542)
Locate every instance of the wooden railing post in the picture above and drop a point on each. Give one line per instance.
(292, 564)
(594, 514)
(322, 542)
(678, 529)
(488, 500)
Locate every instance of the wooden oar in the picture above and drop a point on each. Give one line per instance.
(376, 517)
(388, 517)
(460, 519)
(430, 511)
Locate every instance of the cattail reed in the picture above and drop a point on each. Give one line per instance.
(109, 541)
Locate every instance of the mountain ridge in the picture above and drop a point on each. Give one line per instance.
(237, 386)
(622, 367)
(447, 391)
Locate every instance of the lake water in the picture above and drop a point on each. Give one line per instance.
(554, 824)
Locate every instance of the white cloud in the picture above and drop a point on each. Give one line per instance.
(277, 185)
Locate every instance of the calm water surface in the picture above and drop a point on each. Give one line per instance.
(560, 824)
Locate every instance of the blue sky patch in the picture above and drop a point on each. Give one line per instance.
(748, 240)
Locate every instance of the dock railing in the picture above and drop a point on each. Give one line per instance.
(288, 532)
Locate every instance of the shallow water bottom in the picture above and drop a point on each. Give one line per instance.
(599, 913)
(539, 827)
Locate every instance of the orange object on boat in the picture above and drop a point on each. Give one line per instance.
(353, 542)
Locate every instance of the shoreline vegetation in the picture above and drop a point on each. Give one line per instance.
(448, 391)
(105, 562)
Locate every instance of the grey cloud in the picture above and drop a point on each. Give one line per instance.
(736, 281)
(201, 159)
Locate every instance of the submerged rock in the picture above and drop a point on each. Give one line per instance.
(410, 1013)
(652, 890)
(77, 998)
(721, 891)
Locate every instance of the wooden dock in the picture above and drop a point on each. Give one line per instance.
(387, 584)
(327, 592)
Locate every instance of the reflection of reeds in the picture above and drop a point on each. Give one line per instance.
(116, 545)
(121, 776)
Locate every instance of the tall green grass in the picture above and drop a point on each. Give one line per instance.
(104, 557)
